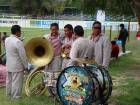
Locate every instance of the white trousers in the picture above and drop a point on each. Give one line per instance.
(14, 84)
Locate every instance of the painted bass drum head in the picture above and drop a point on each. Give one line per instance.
(75, 86)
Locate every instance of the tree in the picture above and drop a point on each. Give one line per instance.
(119, 7)
(54, 6)
(23, 6)
(4, 2)
(135, 5)
(38, 7)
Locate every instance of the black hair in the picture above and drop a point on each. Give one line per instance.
(113, 42)
(69, 26)
(122, 25)
(97, 22)
(15, 28)
(55, 24)
(4, 33)
(79, 30)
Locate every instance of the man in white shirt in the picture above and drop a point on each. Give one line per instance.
(16, 63)
(102, 45)
(81, 47)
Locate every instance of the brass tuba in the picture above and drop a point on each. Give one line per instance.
(39, 53)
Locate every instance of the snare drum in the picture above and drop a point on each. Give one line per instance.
(75, 86)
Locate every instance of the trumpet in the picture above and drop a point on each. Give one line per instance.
(65, 51)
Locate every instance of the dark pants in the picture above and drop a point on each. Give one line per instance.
(123, 45)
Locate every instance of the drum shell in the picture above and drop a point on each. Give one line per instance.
(104, 80)
(97, 77)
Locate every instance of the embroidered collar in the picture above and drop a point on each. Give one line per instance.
(95, 38)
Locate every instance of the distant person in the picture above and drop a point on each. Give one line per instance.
(138, 35)
(115, 50)
(4, 37)
(3, 56)
(16, 63)
(102, 45)
(123, 35)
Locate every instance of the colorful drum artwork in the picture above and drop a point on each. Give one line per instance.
(75, 86)
(78, 85)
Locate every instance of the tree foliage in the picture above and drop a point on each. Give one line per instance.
(119, 7)
(38, 7)
(2, 2)
(41, 7)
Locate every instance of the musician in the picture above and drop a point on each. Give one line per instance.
(54, 66)
(16, 63)
(102, 45)
(67, 42)
(81, 47)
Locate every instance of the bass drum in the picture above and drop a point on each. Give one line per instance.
(75, 86)
(107, 87)
(98, 81)
(105, 82)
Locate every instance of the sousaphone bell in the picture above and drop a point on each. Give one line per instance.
(39, 53)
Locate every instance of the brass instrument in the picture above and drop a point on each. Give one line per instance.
(39, 53)
(85, 61)
(65, 54)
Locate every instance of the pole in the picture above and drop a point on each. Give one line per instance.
(110, 32)
(104, 29)
(129, 30)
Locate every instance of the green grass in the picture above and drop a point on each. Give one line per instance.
(128, 62)
(28, 33)
(131, 95)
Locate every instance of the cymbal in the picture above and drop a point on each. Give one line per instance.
(84, 60)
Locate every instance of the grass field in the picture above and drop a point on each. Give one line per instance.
(125, 75)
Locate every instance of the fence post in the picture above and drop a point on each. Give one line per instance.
(104, 29)
(129, 30)
(110, 33)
